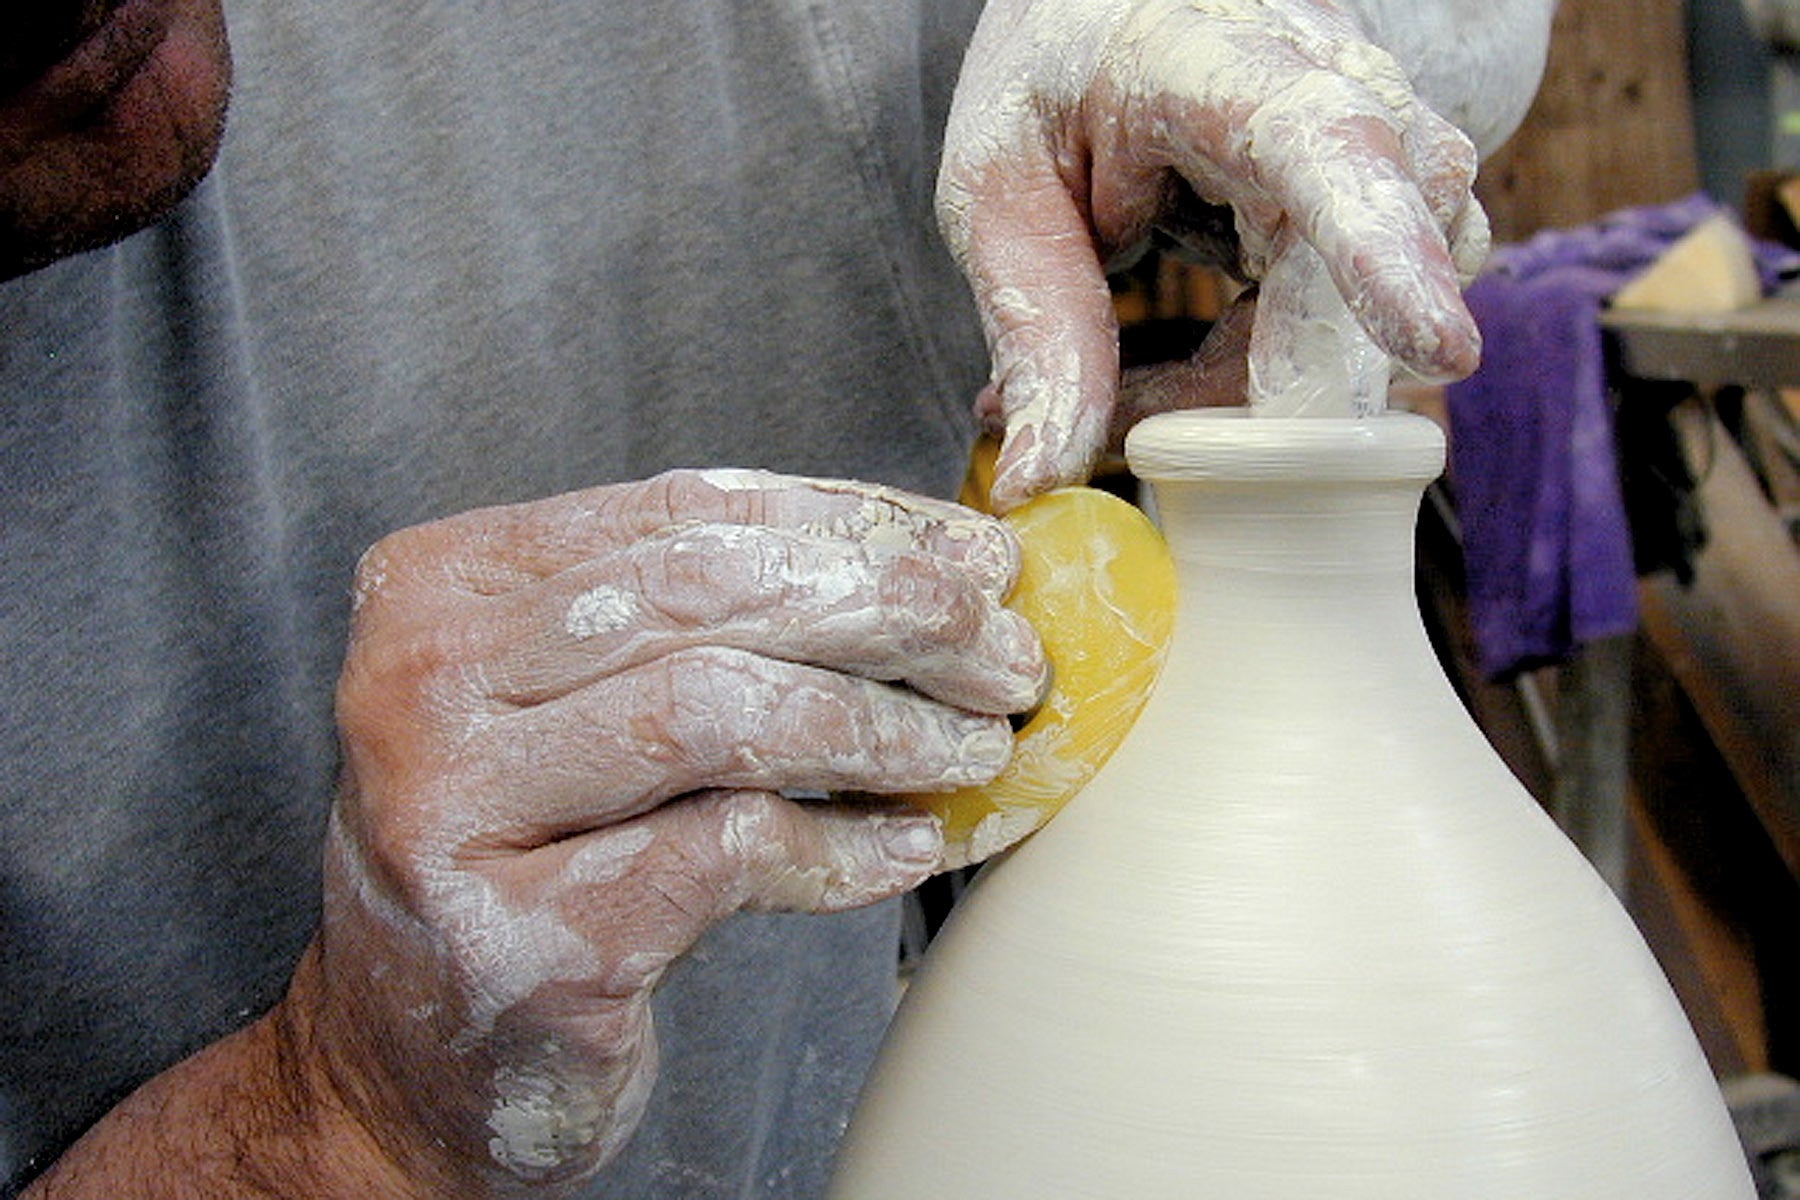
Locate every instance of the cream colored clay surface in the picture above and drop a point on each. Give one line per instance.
(1302, 935)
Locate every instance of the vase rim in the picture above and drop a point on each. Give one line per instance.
(1235, 444)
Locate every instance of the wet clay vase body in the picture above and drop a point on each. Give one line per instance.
(1303, 935)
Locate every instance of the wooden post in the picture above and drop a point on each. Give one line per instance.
(1612, 125)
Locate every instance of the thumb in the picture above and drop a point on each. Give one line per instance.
(1052, 337)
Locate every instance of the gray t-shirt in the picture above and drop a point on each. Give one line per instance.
(453, 254)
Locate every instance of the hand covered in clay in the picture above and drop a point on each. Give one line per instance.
(570, 728)
(1079, 126)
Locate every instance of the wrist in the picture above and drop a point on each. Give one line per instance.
(249, 1116)
(390, 1102)
(343, 1147)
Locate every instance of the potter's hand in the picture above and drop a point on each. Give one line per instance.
(568, 729)
(1079, 125)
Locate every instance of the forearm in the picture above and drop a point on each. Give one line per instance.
(249, 1116)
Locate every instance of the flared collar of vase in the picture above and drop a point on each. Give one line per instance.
(1235, 444)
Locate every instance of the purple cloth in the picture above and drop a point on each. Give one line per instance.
(1545, 538)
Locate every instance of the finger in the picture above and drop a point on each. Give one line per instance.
(1343, 183)
(714, 717)
(1445, 162)
(490, 551)
(641, 893)
(892, 616)
(1027, 250)
(1310, 131)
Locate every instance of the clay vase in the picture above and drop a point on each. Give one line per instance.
(1303, 935)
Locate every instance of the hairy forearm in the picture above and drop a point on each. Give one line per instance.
(250, 1116)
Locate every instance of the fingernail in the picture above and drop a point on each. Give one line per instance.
(913, 840)
(991, 554)
(1458, 350)
(983, 752)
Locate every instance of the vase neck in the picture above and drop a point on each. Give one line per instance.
(1285, 529)
(1302, 494)
(1283, 520)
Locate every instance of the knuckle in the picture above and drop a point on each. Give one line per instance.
(760, 840)
(388, 854)
(685, 490)
(700, 576)
(694, 880)
(374, 576)
(385, 582)
(753, 826)
(730, 718)
(674, 495)
(1463, 158)
(688, 493)
(930, 610)
(405, 659)
(394, 673)
(694, 706)
(1371, 66)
